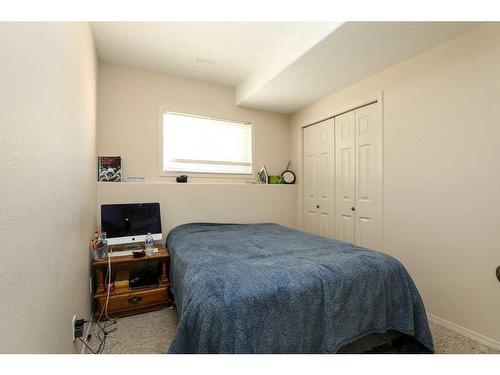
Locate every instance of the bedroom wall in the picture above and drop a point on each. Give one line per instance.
(441, 180)
(47, 179)
(223, 203)
(129, 101)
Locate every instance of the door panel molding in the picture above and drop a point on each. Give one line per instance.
(344, 176)
(319, 199)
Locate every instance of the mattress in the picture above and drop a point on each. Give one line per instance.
(265, 288)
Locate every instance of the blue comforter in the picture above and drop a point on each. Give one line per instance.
(265, 288)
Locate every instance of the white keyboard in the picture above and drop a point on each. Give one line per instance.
(124, 253)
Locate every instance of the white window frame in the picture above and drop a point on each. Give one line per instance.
(163, 173)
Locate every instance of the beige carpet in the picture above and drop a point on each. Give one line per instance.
(153, 332)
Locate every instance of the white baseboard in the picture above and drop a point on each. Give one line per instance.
(466, 332)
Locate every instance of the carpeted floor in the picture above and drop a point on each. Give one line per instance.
(153, 332)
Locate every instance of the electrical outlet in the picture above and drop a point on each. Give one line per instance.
(73, 322)
(78, 325)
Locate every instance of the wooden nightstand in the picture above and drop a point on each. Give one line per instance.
(126, 302)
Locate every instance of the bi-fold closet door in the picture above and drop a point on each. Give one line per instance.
(342, 177)
(358, 176)
(318, 178)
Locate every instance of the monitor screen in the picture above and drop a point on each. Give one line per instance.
(130, 222)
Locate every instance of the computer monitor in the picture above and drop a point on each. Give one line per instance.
(127, 223)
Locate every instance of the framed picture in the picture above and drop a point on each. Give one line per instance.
(263, 176)
(109, 169)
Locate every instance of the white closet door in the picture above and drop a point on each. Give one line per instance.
(311, 179)
(368, 176)
(318, 179)
(345, 177)
(325, 203)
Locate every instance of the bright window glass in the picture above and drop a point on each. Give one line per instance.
(206, 145)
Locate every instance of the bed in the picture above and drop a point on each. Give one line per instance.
(265, 288)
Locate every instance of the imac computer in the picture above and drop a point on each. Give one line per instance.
(129, 223)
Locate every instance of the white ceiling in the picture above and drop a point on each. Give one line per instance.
(354, 51)
(276, 66)
(219, 52)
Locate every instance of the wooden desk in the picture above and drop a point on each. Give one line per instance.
(126, 302)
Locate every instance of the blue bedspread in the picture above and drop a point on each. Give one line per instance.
(265, 288)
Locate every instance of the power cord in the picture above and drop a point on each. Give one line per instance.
(88, 347)
(105, 333)
(103, 330)
(104, 310)
(87, 335)
(108, 285)
(101, 336)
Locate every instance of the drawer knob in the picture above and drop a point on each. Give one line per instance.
(134, 299)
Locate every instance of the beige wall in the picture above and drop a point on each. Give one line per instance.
(129, 102)
(441, 182)
(222, 203)
(47, 182)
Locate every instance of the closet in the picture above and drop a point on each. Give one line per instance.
(343, 160)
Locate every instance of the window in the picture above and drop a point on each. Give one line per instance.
(206, 145)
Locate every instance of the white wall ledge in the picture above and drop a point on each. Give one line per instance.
(190, 183)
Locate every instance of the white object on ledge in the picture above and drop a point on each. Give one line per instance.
(136, 179)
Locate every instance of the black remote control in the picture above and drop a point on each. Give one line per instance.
(138, 253)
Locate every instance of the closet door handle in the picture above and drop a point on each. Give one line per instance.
(317, 206)
(353, 209)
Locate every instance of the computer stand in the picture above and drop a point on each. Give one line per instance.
(127, 301)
